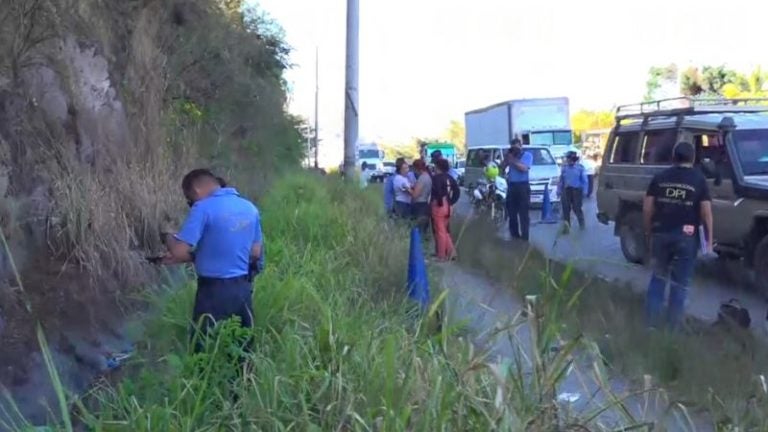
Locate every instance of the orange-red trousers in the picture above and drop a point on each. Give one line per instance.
(441, 217)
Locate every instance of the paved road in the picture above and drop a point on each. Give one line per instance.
(597, 251)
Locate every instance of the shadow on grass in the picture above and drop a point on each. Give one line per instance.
(714, 369)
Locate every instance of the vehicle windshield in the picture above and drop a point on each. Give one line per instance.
(552, 138)
(369, 154)
(541, 156)
(752, 150)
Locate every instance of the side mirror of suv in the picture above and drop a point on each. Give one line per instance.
(710, 170)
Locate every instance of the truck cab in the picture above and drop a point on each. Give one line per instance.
(731, 140)
(447, 149)
(373, 156)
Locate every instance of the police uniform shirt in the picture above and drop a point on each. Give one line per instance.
(678, 193)
(574, 176)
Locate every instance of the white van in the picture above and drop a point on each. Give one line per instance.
(544, 173)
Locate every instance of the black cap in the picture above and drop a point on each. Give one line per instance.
(684, 152)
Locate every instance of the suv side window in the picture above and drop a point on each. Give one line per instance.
(624, 149)
(475, 158)
(710, 145)
(657, 147)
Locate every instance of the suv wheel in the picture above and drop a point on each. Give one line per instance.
(632, 238)
(760, 265)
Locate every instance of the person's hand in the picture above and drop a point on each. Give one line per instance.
(168, 260)
(710, 249)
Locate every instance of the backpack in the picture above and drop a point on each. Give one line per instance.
(733, 314)
(454, 192)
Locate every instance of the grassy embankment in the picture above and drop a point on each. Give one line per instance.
(720, 371)
(336, 348)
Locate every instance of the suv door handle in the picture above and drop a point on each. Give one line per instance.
(608, 185)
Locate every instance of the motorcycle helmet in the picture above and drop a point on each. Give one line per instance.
(492, 171)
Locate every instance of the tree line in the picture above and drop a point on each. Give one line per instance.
(706, 81)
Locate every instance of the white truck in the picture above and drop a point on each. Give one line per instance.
(540, 122)
(373, 156)
(542, 125)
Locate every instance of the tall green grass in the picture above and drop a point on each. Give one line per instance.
(335, 346)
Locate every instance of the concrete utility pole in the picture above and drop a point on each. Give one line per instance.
(317, 98)
(351, 114)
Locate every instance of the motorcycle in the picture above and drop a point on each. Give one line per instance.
(489, 199)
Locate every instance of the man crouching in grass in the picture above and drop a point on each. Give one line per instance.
(222, 236)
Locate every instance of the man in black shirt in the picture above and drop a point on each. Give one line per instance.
(675, 205)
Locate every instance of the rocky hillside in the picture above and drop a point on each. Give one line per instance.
(103, 106)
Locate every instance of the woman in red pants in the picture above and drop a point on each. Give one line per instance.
(443, 189)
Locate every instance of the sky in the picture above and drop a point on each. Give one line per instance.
(424, 63)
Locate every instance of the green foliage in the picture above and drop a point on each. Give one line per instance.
(456, 134)
(691, 82)
(585, 120)
(658, 77)
(234, 73)
(710, 81)
(392, 151)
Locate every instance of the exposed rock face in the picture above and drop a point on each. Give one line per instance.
(71, 181)
(104, 104)
(67, 108)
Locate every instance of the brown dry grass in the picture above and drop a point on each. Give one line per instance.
(80, 220)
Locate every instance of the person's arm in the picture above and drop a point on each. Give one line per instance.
(524, 163)
(181, 244)
(708, 220)
(706, 215)
(257, 239)
(504, 163)
(389, 193)
(561, 182)
(416, 190)
(649, 207)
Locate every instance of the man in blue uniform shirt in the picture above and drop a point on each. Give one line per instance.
(222, 237)
(516, 166)
(573, 186)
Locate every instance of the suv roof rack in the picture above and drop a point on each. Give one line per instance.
(686, 105)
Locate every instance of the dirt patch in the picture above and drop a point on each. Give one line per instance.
(76, 319)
